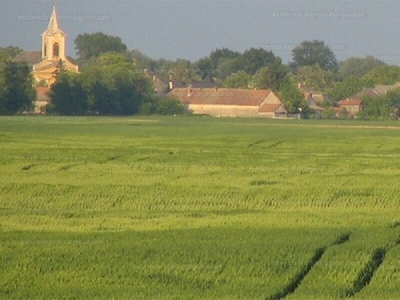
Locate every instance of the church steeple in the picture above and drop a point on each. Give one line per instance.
(53, 50)
(53, 26)
(53, 39)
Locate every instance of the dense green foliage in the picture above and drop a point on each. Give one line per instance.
(291, 96)
(238, 80)
(382, 108)
(358, 66)
(315, 52)
(198, 208)
(162, 105)
(315, 77)
(92, 45)
(348, 87)
(111, 86)
(16, 90)
(68, 96)
(384, 75)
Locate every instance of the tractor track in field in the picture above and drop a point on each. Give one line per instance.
(367, 273)
(27, 167)
(299, 277)
(263, 141)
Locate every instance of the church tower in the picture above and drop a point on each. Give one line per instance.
(53, 53)
(53, 40)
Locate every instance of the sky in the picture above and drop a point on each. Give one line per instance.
(191, 29)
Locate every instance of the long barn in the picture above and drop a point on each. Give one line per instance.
(223, 102)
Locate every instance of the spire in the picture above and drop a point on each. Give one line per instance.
(53, 26)
(53, 23)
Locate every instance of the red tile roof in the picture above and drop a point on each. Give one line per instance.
(223, 96)
(269, 108)
(354, 102)
(307, 95)
(41, 93)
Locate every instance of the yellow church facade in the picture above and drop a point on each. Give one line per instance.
(53, 53)
(46, 63)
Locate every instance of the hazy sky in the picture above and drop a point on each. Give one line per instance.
(191, 29)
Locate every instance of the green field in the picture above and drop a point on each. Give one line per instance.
(198, 208)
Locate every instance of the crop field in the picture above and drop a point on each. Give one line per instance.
(198, 208)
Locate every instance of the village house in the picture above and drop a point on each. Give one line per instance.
(311, 103)
(42, 99)
(351, 106)
(224, 102)
(376, 91)
(318, 97)
(161, 85)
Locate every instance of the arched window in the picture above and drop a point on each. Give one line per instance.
(56, 50)
(44, 54)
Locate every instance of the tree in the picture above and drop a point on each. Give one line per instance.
(238, 80)
(314, 77)
(16, 87)
(183, 71)
(271, 76)
(68, 96)
(384, 75)
(375, 108)
(256, 58)
(162, 105)
(310, 53)
(60, 69)
(92, 45)
(9, 52)
(115, 86)
(350, 86)
(168, 105)
(142, 61)
(393, 99)
(291, 96)
(358, 67)
(211, 65)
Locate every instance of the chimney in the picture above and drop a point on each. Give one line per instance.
(170, 83)
(189, 91)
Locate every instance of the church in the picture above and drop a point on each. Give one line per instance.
(45, 63)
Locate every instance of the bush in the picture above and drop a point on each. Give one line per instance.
(162, 105)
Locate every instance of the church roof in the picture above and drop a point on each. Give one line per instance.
(53, 26)
(30, 57)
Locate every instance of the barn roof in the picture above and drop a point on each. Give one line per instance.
(269, 108)
(217, 96)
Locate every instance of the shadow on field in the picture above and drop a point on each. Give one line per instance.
(298, 278)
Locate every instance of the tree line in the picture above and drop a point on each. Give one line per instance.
(112, 80)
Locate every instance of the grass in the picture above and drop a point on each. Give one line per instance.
(182, 207)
